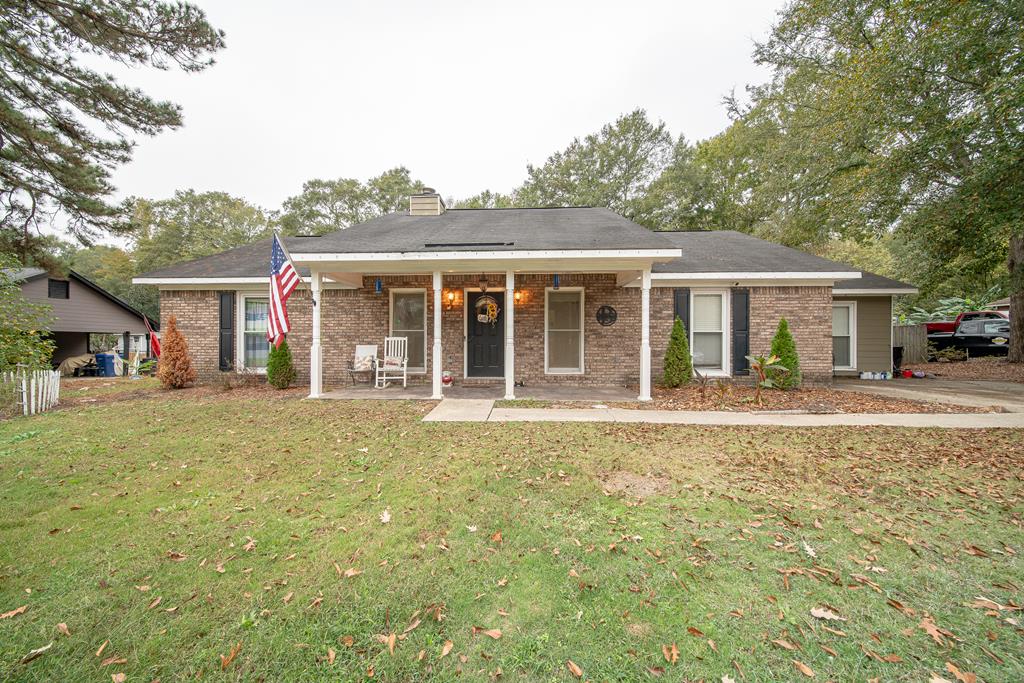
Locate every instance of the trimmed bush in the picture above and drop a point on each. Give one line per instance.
(174, 370)
(280, 370)
(678, 363)
(784, 347)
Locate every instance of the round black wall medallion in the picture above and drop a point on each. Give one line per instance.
(606, 315)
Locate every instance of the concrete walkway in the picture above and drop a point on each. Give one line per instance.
(965, 392)
(461, 410)
(478, 410)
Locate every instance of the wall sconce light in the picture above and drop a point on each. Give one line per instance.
(449, 299)
(556, 280)
(483, 283)
(378, 286)
(518, 296)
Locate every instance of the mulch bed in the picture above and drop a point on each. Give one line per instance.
(812, 400)
(985, 367)
(199, 391)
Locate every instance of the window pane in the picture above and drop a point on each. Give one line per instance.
(409, 312)
(840, 321)
(564, 350)
(564, 310)
(256, 315)
(841, 352)
(707, 349)
(707, 313)
(256, 349)
(417, 349)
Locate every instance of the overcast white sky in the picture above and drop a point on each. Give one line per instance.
(464, 94)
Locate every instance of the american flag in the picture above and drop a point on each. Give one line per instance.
(283, 281)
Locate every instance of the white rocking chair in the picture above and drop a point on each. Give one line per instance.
(395, 362)
(365, 360)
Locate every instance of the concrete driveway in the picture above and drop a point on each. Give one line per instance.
(975, 392)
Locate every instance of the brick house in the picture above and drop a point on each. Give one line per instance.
(583, 297)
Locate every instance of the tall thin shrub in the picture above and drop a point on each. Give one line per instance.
(175, 367)
(678, 362)
(784, 347)
(280, 370)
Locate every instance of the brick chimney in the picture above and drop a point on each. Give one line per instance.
(427, 202)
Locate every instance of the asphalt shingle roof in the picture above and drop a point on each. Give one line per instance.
(492, 230)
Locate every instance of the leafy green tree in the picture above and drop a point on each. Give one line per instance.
(612, 168)
(486, 200)
(678, 362)
(192, 224)
(112, 269)
(901, 117)
(328, 205)
(65, 125)
(280, 370)
(784, 348)
(24, 325)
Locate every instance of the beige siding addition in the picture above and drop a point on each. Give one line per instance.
(873, 333)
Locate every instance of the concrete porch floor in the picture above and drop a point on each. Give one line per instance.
(421, 392)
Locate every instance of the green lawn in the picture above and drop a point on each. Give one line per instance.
(174, 527)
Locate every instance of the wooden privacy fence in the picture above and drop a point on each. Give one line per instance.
(35, 391)
(914, 340)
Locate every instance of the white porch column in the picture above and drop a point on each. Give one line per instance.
(510, 344)
(435, 357)
(645, 336)
(316, 356)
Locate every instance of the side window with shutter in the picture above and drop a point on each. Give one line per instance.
(227, 331)
(740, 331)
(681, 307)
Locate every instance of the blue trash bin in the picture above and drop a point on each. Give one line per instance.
(105, 364)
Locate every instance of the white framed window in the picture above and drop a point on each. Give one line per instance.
(563, 331)
(708, 340)
(254, 346)
(408, 318)
(844, 335)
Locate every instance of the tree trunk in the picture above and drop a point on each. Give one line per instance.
(1016, 266)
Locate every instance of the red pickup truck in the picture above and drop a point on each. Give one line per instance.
(950, 326)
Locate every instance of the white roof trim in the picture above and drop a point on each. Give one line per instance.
(487, 255)
(893, 291)
(203, 280)
(779, 275)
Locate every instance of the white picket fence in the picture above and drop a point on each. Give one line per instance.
(35, 391)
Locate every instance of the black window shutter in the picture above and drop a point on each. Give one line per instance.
(681, 307)
(740, 331)
(227, 331)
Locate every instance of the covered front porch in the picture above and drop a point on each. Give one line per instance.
(423, 392)
(579, 334)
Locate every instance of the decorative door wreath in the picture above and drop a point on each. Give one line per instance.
(486, 309)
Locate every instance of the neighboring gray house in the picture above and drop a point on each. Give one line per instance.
(80, 308)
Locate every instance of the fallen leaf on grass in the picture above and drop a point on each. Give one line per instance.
(331, 654)
(102, 648)
(962, 676)
(288, 598)
(351, 572)
(489, 632)
(118, 677)
(63, 628)
(696, 632)
(348, 641)
(156, 601)
(728, 679)
(385, 516)
(38, 652)
(175, 556)
(114, 660)
(446, 648)
(803, 668)
(826, 614)
(785, 644)
(496, 537)
(938, 634)
(225, 662)
(671, 653)
(14, 612)
(574, 669)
